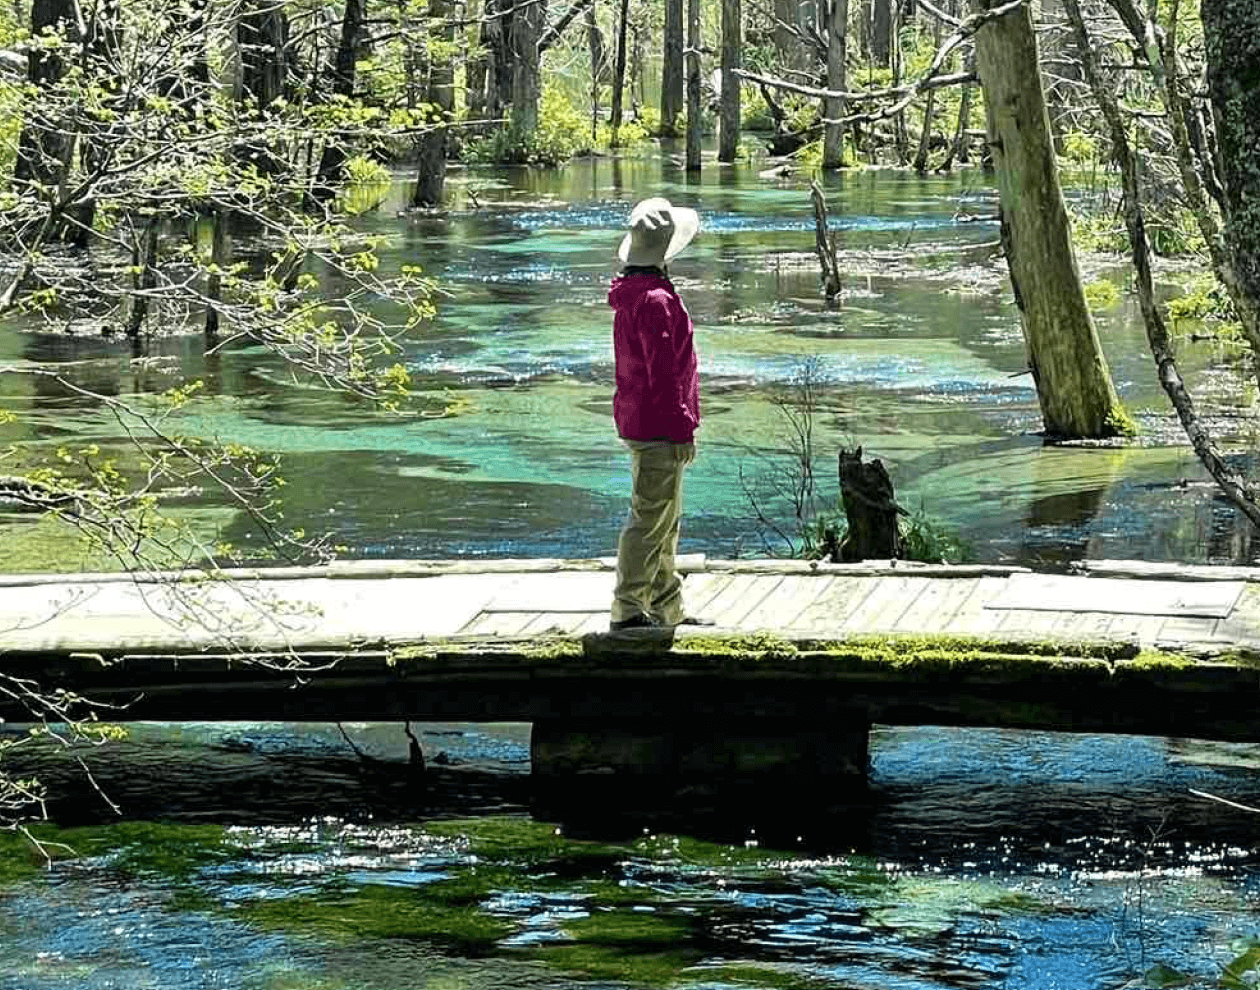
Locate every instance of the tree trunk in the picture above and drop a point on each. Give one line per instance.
(958, 146)
(619, 71)
(728, 125)
(431, 154)
(929, 112)
(1069, 370)
(332, 162)
(1232, 484)
(881, 32)
(526, 29)
(1231, 29)
(220, 259)
(144, 251)
(672, 69)
(262, 38)
(870, 507)
(925, 135)
(833, 108)
(41, 149)
(693, 85)
(787, 45)
(595, 41)
(478, 70)
(825, 245)
(900, 138)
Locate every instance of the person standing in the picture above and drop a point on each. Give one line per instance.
(656, 410)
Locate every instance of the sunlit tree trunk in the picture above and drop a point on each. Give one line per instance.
(672, 69)
(900, 138)
(693, 85)
(833, 108)
(431, 157)
(728, 123)
(525, 33)
(1069, 370)
(478, 71)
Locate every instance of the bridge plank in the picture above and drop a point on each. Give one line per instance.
(498, 624)
(1192, 629)
(832, 605)
(699, 590)
(782, 609)
(561, 591)
(973, 617)
(740, 597)
(936, 605)
(888, 601)
(1085, 627)
(1242, 625)
(1029, 623)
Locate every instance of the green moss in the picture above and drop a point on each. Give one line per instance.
(941, 654)
(18, 858)
(384, 912)
(1119, 423)
(758, 646)
(760, 976)
(139, 849)
(1152, 660)
(539, 648)
(645, 950)
(519, 839)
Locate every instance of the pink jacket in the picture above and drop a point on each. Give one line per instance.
(658, 381)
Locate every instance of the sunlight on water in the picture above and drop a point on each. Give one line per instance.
(923, 366)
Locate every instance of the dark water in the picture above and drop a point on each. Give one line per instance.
(923, 366)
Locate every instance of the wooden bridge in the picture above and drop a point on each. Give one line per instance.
(800, 661)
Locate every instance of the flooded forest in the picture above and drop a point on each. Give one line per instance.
(285, 283)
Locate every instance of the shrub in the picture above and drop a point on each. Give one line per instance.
(561, 133)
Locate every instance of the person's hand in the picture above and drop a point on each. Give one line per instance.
(686, 452)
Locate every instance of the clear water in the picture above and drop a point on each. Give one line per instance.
(983, 859)
(923, 365)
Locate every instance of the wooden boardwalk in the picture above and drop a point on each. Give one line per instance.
(526, 640)
(1197, 609)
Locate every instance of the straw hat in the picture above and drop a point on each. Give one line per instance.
(658, 231)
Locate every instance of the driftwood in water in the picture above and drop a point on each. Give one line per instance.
(871, 509)
(825, 244)
(19, 494)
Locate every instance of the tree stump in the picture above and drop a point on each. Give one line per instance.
(871, 509)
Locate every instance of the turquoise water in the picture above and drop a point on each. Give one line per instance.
(923, 366)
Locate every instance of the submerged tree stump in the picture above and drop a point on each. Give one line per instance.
(871, 509)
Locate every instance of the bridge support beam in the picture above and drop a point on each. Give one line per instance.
(584, 769)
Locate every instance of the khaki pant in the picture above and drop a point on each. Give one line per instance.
(646, 580)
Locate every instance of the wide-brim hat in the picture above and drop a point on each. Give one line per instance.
(658, 231)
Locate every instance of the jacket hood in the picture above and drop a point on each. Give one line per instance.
(627, 290)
